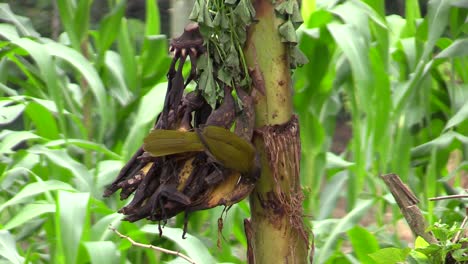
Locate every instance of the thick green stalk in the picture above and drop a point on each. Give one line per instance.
(276, 232)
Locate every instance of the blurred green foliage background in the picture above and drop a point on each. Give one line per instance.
(81, 83)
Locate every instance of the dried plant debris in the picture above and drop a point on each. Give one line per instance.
(291, 14)
(191, 160)
(223, 24)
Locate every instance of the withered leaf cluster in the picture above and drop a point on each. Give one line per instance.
(190, 160)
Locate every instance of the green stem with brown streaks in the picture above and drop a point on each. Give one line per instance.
(276, 233)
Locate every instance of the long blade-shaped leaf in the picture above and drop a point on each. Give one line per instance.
(89, 73)
(29, 212)
(22, 23)
(102, 252)
(36, 188)
(343, 225)
(152, 18)
(72, 210)
(150, 105)
(193, 246)
(8, 248)
(459, 117)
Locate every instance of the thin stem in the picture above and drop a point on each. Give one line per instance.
(457, 196)
(462, 227)
(155, 248)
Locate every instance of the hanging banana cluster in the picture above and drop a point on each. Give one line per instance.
(191, 160)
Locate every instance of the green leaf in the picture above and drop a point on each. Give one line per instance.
(459, 117)
(100, 230)
(81, 15)
(358, 13)
(390, 255)
(23, 24)
(50, 105)
(8, 248)
(84, 144)
(225, 76)
(337, 162)
(319, 18)
(420, 243)
(108, 27)
(230, 2)
(307, 9)
(363, 242)
(30, 211)
(150, 105)
(34, 189)
(286, 7)
(20, 168)
(242, 12)
(437, 17)
(456, 49)
(44, 121)
(298, 58)
(5, 89)
(43, 58)
(330, 194)
(88, 72)
(433, 27)
(460, 3)
(194, 248)
(9, 114)
(440, 142)
(206, 82)
(431, 250)
(62, 159)
(67, 15)
(354, 16)
(232, 61)
(107, 170)
(460, 255)
(102, 252)
(118, 86)
(355, 48)
(154, 59)
(8, 32)
(14, 138)
(288, 32)
(296, 16)
(127, 56)
(412, 13)
(195, 11)
(343, 225)
(152, 18)
(71, 214)
(207, 21)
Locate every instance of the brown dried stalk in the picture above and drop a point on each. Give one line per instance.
(407, 202)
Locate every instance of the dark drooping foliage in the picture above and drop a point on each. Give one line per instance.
(191, 160)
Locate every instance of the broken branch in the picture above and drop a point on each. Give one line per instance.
(457, 196)
(155, 248)
(407, 202)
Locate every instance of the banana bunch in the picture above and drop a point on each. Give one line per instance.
(191, 160)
